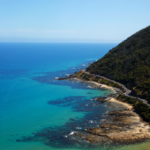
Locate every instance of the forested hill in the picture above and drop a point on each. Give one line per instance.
(128, 63)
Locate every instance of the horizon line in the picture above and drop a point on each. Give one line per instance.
(63, 42)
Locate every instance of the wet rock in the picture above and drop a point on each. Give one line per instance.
(79, 134)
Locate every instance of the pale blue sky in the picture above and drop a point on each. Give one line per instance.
(109, 21)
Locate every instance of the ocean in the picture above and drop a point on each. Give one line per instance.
(36, 111)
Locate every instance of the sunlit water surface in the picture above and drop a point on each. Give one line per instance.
(39, 113)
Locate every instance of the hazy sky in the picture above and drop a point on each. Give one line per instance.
(72, 20)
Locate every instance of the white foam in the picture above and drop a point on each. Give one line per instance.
(56, 78)
(71, 133)
(67, 75)
(87, 104)
(89, 86)
(78, 128)
(91, 121)
(65, 136)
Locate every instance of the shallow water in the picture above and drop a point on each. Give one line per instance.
(33, 104)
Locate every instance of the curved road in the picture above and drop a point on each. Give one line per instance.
(127, 91)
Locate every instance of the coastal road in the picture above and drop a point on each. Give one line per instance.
(127, 91)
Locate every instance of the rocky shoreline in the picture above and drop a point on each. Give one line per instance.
(120, 126)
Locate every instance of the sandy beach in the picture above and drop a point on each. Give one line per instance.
(121, 126)
(115, 101)
(99, 85)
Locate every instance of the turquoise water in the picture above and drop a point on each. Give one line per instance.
(37, 112)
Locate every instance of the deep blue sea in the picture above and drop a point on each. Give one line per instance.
(38, 112)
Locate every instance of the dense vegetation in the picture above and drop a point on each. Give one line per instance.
(128, 63)
(142, 109)
(97, 79)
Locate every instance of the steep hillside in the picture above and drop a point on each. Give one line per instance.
(128, 63)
